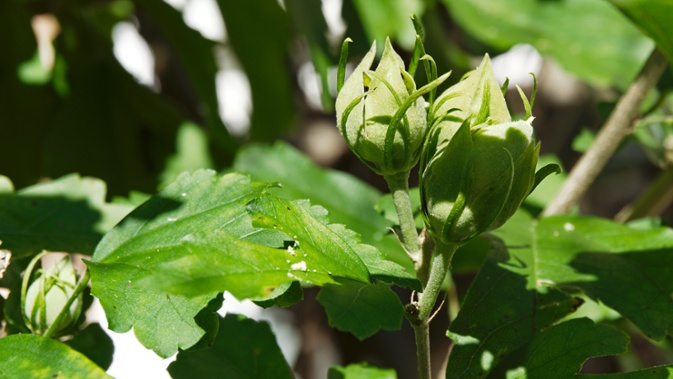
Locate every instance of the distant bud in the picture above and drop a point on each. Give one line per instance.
(366, 108)
(47, 296)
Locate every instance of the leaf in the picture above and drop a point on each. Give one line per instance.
(95, 344)
(244, 349)
(348, 200)
(258, 31)
(560, 351)
(588, 38)
(288, 294)
(498, 316)
(360, 371)
(361, 309)
(627, 269)
(67, 214)
(201, 203)
(334, 254)
(653, 18)
(31, 356)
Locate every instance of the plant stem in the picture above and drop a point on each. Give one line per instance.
(84, 280)
(657, 197)
(441, 257)
(399, 187)
(420, 319)
(617, 126)
(422, 334)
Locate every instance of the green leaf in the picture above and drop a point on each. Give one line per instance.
(258, 31)
(498, 316)
(349, 200)
(244, 349)
(560, 351)
(588, 38)
(627, 269)
(193, 208)
(361, 309)
(95, 344)
(30, 356)
(314, 239)
(67, 214)
(360, 371)
(653, 18)
(547, 189)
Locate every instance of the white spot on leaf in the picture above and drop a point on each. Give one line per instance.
(299, 266)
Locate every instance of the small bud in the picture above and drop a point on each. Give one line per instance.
(382, 115)
(47, 296)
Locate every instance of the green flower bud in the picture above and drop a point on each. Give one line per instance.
(478, 165)
(478, 180)
(47, 296)
(381, 114)
(476, 99)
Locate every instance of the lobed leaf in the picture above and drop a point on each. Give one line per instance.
(198, 204)
(348, 200)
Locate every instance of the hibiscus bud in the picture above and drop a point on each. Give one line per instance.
(382, 115)
(478, 180)
(47, 296)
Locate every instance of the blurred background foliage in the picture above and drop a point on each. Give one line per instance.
(69, 102)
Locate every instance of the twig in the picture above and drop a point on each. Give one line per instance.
(615, 129)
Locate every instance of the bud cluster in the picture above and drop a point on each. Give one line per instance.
(477, 165)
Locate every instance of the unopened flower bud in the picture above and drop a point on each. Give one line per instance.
(478, 165)
(381, 114)
(478, 180)
(47, 296)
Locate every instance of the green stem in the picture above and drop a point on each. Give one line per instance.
(421, 316)
(81, 285)
(422, 334)
(617, 126)
(441, 257)
(657, 197)
(399, 186)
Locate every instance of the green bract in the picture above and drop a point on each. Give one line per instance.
(47, 296)
(381, 114)
(478, 165)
